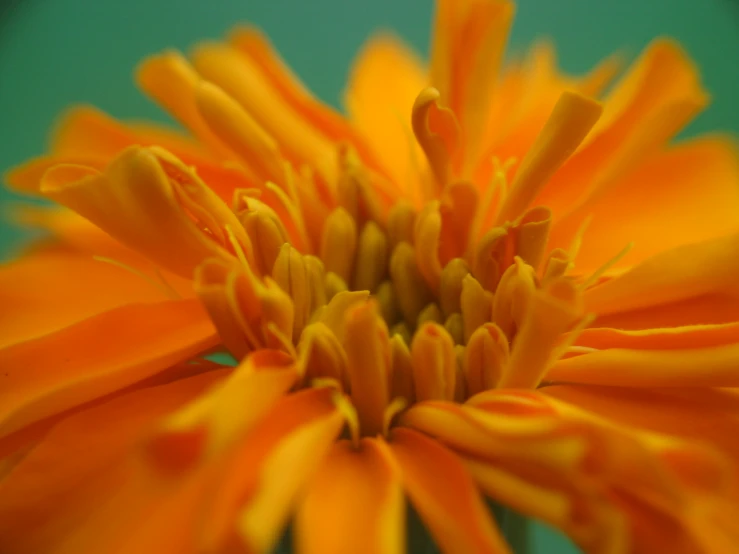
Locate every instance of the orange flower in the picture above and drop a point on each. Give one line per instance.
(478, 283)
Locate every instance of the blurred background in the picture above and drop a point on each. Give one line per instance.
(59, 52)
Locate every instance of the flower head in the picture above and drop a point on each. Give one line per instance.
(480, 282)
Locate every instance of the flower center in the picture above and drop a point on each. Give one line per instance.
(438, 296)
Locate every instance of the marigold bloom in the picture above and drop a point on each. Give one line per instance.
(477, 283)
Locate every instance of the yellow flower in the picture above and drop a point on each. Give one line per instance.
(481, 282)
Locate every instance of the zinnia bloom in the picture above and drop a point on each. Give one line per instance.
(479, 282)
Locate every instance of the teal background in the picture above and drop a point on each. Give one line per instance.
(57, 52)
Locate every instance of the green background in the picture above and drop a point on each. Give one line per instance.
(57, 52)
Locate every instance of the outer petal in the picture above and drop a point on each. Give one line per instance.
(251, 43)
(73, 472)
(51, 289)
(270, 468)
(444, 495)
(700, 355)
(689, 193)
(700, 414)
(243, 80)
(683, 273)
(686, 194)
(467, 49)
(354, 503)
(658, 96)
(379, 105)
(47, 375)
(593, 475)
(87, 136)
(704, 309)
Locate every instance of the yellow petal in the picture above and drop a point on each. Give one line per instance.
(368, 362)
(572, 118)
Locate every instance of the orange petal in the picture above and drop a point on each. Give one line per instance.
(270, 466)
(467, 49)
(258, 382)
(712, 366)
(652, 481)
(437, 131)
(686, 194)
(139, 201)
(354, 503)
(250, 42)
(87, 136)
(451, 507)
(171, 82)
(705, 415)
(242, 79)
(236, 128)
(657, 97)
(48, 290)
(707, 309)
(683, 273)
(26, 177)
(696, 336)
(99, 355)
(48, 477)
(572, 118)
(379, 105)
(596, 527)
(524, 98)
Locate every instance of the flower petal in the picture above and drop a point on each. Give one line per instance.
(44, 376)
(137, 200)
(379, 104)
(652, 102)
(272, 465)
(713, 366)
(703, 414)
(49, 477)
(242, 79)
(683, 273)
(86, 136)
(696, 336)
(444, 495)
(685, 194)
(170, 80)
(467, 50)
(695, 355)
(250, 42)
(48, 290)
(661, 484)
(354, 503)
